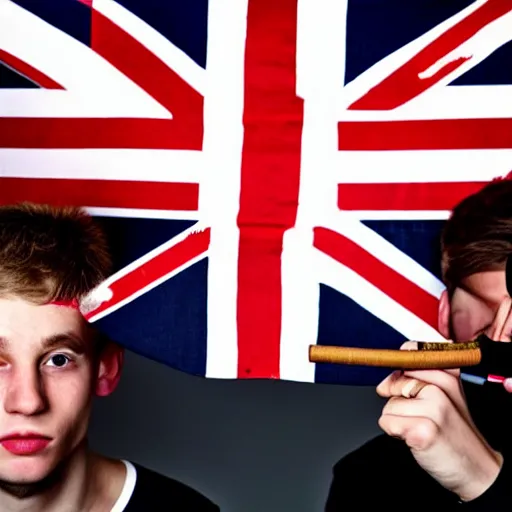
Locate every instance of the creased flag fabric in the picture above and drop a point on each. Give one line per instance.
(271, 174)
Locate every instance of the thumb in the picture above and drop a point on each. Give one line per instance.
(507, 384)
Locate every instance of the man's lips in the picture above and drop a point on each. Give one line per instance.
(25, 444)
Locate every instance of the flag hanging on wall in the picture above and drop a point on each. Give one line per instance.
(271, 174)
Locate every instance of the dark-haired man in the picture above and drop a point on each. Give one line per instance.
(447, 442)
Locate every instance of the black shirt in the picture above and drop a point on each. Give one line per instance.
(383, 473)
(154, 492)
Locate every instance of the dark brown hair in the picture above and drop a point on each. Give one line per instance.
(49, 253)
(478, 235)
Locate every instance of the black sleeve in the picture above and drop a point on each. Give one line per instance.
(362, 479)
(383, 474)
(346, 492)
(157, 493)
(498, 495)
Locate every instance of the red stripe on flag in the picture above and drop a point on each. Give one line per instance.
(273, 117)
(101, 193)
(78, 133)
(184, 131)
(425, 134)
(407, 82)
(155, 77)
(148, 71)
(154, 269)
(404, 196)
(392, 283)
(27, 70)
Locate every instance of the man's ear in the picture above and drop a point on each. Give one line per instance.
(109, 369)
(443, 315)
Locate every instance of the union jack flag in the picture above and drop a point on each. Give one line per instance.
(270, 174)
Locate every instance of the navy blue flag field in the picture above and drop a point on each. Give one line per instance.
(270, 174)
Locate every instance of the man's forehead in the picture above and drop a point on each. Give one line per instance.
(21, 316)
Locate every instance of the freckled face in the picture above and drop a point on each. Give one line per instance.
(46, 386)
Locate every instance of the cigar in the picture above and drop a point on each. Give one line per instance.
(485, 356)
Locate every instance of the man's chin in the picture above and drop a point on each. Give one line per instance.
(24, 478)
(24, 489)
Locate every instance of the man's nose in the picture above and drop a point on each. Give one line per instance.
(25, 393)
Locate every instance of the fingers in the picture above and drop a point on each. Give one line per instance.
(400, 385)
(443, 387)
(419, 433)
(502, 324)
(409, 345)
(412, 388)
(501, 330)
(507, 326)
(445, 380)
(384, 387)
(404, 407)
(397, 384)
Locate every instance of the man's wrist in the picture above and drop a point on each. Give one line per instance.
(484, 475)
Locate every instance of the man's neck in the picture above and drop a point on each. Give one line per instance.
(87, 483)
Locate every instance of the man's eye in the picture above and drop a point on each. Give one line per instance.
(58, 360)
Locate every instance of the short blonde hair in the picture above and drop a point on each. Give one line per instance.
(49, 253)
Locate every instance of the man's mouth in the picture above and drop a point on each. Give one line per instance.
(28, 443)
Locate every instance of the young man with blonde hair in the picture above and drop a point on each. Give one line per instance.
(448, 443)
(52, 363)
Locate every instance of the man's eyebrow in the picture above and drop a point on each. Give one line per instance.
(67, 339)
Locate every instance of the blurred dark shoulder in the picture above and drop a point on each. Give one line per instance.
(383, 472)
(159, 493)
